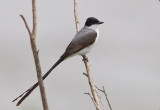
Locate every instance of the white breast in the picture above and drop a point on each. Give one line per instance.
(88, 49)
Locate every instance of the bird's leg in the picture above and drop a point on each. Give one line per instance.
(85, 58)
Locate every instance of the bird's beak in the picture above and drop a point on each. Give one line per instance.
(100, 22)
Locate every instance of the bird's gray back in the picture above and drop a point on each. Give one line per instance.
(84, 38)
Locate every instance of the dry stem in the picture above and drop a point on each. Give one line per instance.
(34, 31)
(105, 93)
(91, 99)
(76, 15)
(35, 53)
(91, 83)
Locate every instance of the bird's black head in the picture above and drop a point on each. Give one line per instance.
(91, 21)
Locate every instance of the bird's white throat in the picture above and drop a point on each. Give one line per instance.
(94, 27)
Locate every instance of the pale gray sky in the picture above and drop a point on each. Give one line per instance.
(126, 59)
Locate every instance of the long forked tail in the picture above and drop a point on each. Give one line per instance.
(27, 92)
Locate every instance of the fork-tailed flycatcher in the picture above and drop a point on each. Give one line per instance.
(81, 44)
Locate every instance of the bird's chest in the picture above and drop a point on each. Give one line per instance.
(88, 49)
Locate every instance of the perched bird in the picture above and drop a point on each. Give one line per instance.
(81, 44)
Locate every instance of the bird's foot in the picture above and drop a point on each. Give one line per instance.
(85, 58)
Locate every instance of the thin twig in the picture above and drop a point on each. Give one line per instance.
(34, 31)
(99, 89)
(91, 83)
(85, 74)
(25, 22)
(100, 100)
(76, 15)
(105, 93)
(91, 99)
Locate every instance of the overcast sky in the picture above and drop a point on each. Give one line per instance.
(126, 59)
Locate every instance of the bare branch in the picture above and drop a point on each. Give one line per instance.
(100, 100)
(36, 59)
(25, 22)
(85, 74)
(99, 89)
(105, 93)
(91, 99)
(34, 31)
(91, 83)
(76, 15)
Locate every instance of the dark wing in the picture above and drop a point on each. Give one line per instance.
(84, 38)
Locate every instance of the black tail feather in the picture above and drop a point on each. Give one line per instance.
(28, 92)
